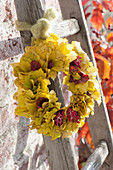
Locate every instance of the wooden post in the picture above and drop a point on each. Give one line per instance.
(61, 152)
(99, 123)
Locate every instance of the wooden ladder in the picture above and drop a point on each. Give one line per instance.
(61, 154)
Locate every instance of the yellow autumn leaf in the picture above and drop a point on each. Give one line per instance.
(43, 60)
(22, 112)
(66, 134)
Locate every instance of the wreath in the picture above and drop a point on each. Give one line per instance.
(42, 61)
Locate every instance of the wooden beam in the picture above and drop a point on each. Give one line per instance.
(27, 11)
(97, 158)
(61, 152)
(14, 46)
(66, 28)
(99, 123)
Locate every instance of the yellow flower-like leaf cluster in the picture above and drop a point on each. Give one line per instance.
(42, 61)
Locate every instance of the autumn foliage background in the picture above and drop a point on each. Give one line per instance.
(101, 34)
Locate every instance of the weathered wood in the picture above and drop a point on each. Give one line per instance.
(97, 158)
(65, 158)
(99, 123)
(61, 153)
(27, 12)
(66, 28)
(63, 28)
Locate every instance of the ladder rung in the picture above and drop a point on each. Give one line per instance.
(66, 28)
(97, 158)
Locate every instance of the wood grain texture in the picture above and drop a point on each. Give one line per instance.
(99, 123)
(65, 158)
(61, 152)
(66, 28)
(97, 158)
(28, 11)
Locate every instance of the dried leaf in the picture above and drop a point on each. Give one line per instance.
(109, 52)
(97, 19)
(110, 37)
(97, 4)
(84, 2)
(88, 137)
(103, 66)
(82, 132)
(109, 23)
(110, 83)
(98, 46)
(108, 5)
